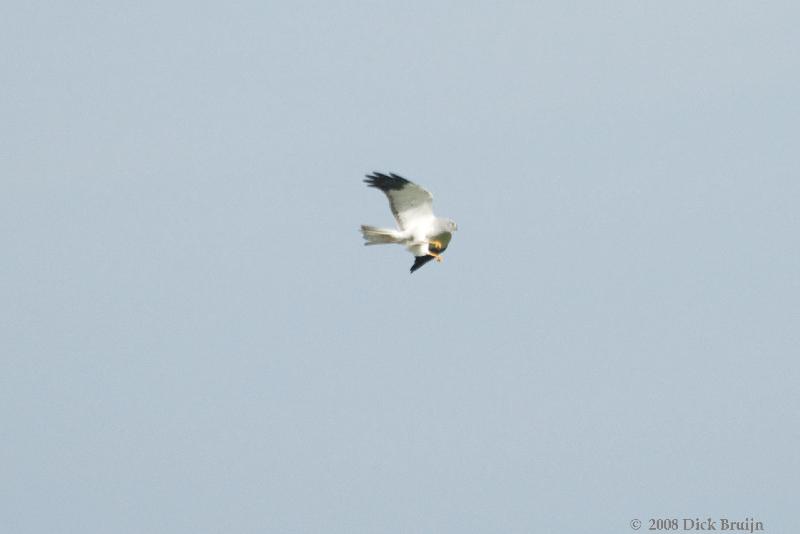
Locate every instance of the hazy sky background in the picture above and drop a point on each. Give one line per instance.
(195, 340)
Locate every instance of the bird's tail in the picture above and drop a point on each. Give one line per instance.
(379, 236)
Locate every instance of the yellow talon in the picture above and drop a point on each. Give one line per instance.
(437, 256)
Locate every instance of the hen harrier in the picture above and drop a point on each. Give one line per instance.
(423, 234)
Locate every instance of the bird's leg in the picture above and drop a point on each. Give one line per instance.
(435, 245)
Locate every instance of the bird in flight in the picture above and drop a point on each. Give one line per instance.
(422, 233)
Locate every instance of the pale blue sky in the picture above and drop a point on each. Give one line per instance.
(195, 340)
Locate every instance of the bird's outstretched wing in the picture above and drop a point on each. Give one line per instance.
(409, 202)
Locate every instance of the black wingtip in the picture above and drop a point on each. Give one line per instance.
(384, 182)
(419, 261)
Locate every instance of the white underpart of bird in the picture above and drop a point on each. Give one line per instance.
(422, 233)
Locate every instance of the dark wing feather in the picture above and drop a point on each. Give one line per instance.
(419, 261)
(386, 183)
